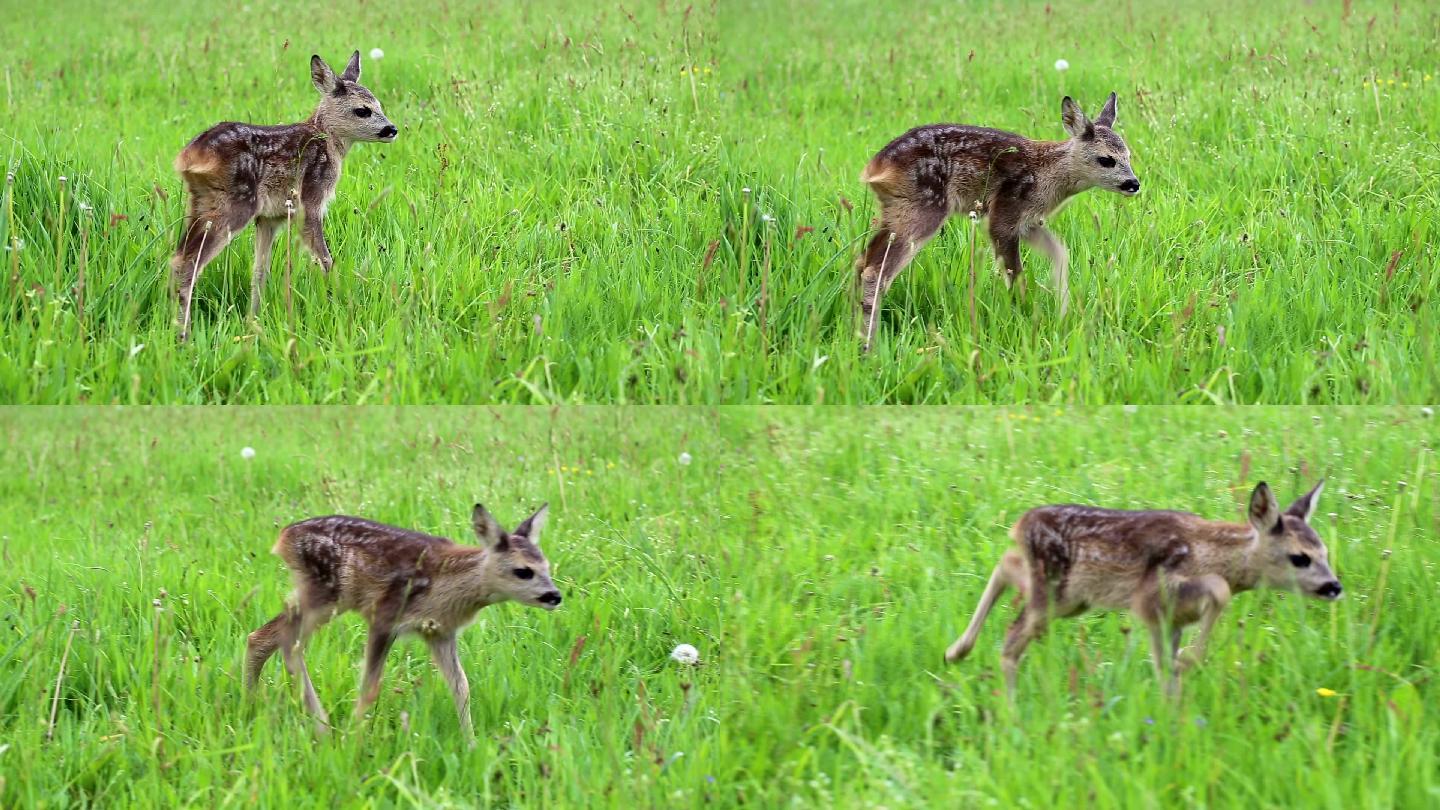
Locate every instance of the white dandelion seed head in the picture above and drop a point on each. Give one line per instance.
(766, 218)
(745, 190)
(1062, 65)
(684, 459)
(686, 654)
(247, 453)
(1427, 411)
(376, 53)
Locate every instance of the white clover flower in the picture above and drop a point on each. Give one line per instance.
(376, 53)
(1062, 65)
(247, 453)
(684, 459)
(685, 654)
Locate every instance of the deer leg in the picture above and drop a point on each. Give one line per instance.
(314, 233)
(903, 231)
(301, 625)
(1048, 243)
(207, 233)
(1203, 597)
(1009, 572)
(265, 229)
(377, 647)
(262, 644)
(446, 654)
(1031, 623)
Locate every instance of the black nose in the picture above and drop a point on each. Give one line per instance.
(389, 131)
(1330, 590)
(551, 598)
(1130, 185)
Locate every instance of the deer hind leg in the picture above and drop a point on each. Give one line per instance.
(377, 647)
(1033, 619)
(262, 644)
(214, 220)
(1010, 572)
(301, 624)
(1048, 243)
(447, 659)
(904, 229)
(265, 230)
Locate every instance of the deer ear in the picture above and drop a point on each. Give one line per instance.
(1075, 121)
(1264, 510)
(322, 75)
(1304, 506)
(352, 69)
(487, 528)
(530, 529)
(1106, 118)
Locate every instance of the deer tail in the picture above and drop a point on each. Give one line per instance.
(196, 162)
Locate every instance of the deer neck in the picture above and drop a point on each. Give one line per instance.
(334, 143)
(1055, 165)
(1236, 556)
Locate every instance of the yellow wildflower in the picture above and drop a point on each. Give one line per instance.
(1323, 692)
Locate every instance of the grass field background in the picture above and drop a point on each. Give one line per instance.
(820, 560)
(657, 202)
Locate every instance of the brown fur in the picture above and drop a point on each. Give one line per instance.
(924, 176)
(235, 173)
(1171, 569)
(401, 582)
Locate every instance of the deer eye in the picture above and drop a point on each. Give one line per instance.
(1106, 161)
(364, 112)
(523, 573)
(1300, 560)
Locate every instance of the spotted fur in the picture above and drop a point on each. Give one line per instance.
(933, 172)
(1171, 569)
(401, 582)
(235, 173)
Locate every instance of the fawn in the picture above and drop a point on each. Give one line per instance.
(401, 582)
(931, 172)
(236, 173)
(1172, 569)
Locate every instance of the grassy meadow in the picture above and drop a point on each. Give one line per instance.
(657, 202)
(819, 559)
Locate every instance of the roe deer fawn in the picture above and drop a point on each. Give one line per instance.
(238, 172)
(1172, 569)
(931, 172)
(401, 582)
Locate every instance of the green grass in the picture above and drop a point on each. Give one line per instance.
(820, 559)
(540, 232)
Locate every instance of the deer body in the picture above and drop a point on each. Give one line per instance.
(1172, 569)
(401, 582)
(924, 176)
(235, 173)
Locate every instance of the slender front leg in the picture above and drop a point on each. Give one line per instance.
(1206, 596)
(446, 654)
(265, 229)
(1005, 237)
(314, 231)
(377, 646)
(1048, 243)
